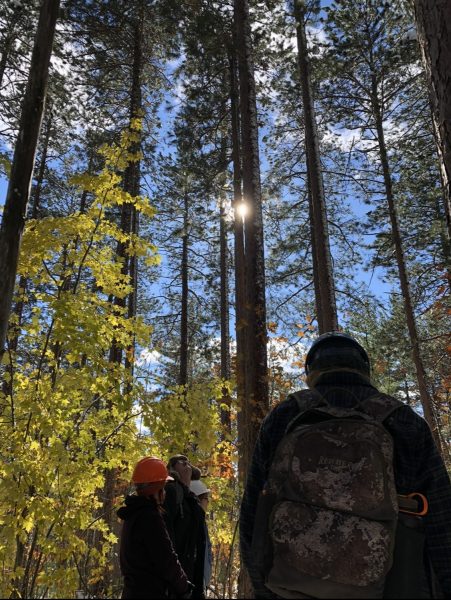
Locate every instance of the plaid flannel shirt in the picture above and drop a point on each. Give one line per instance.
(418, 467)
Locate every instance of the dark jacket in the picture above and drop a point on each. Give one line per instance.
(149, 565)
(185, 521)
(417, 463)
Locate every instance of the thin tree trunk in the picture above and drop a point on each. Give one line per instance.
(238, 235)
(238, 231)
(10, 36)
(23, 161)
(129, 224)
(402, 270)
(183, 374)
(322, 264)
(225, 332)
(433, 18)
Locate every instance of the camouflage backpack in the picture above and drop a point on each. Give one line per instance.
(326, 520)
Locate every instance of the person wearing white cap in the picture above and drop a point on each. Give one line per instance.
(202, 492)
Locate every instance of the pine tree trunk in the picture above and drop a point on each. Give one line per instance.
(9, 38)
(255, 309)
(402, 270)
(23, 161)
(255, 369)
(433, 18)
(322, 264)
(183, 374)
(129, 224)
(238, 232)
(224, 304)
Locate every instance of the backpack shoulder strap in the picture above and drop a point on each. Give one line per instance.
(380, 406)
(305, 400)
(179, 495)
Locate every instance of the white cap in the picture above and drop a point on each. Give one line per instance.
(198, 487)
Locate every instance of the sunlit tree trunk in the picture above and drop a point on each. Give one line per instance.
(322, 264)
(23, 160)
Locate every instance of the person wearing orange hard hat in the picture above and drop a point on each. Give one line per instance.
(149, 564)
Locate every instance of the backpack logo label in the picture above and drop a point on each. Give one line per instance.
(326, 461)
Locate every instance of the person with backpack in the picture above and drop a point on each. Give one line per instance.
(149, 564)
(347, 495)
(185, 521)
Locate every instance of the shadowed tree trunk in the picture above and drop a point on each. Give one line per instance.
(402, 271)
(238, 232)
(322, 265)
(183, 374)
(23, 160)
(129, 224)
(433, 18)
(9, 38)
(256, 402)
(225, 332)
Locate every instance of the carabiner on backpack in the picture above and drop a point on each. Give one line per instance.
(413, 504)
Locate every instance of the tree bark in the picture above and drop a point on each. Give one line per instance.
(402, 270)
(224, 304)
(9, 38)
(129, 224)
(256, 402)
(322, 263)
(183, 374)
(433, 18)
(23, 161)
(238, 232)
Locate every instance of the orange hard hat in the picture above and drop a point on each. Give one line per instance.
(150, 470)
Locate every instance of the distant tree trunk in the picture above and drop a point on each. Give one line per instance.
(9, 38)
(129, 224)
(255, 369)
(238, 230)
(23, 161)
(224, 305)
(433, 18)
(183, 374)
(402, 271)
(322, 264)
(36, 205)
